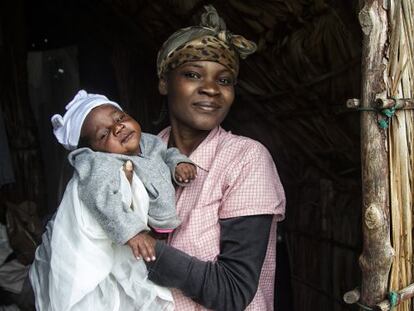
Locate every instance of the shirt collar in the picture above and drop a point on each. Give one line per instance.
(203, 155)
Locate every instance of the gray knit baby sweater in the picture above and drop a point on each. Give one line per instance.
(99, 186)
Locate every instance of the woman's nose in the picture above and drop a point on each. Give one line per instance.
(209, 88)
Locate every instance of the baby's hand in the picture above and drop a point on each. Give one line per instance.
(143, 245)
(128, 168)
(185, 172)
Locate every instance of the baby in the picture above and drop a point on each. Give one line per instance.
(115, 138)
(83, 263)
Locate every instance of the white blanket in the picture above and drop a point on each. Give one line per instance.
(78, 268)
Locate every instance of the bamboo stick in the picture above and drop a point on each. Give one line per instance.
(377, 254)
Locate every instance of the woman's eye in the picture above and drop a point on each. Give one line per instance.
(192, 75)
(226, 81)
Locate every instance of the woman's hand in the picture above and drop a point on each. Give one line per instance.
(185, 172)
(143, 245)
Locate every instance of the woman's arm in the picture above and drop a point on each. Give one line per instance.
(231, 282)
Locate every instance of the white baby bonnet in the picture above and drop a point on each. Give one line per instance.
(67, 129)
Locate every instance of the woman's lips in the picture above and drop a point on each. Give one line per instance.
(206, 106)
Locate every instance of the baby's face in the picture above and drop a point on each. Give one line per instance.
(109, 129)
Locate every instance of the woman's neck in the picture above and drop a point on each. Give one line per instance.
(186, 139)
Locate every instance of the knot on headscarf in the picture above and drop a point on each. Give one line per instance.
(243, 46)
(67, 128)
(211, 19)
(211, 41)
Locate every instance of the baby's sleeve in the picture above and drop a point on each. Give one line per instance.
(105, 191)
(171, 157)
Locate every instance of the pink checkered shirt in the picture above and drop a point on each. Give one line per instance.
(236, 177)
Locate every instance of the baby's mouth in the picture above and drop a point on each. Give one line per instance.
(127, 137)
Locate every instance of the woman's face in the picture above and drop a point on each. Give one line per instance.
(200, 94)
(109, 129)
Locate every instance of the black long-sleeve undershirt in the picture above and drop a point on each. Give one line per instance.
(231, 282)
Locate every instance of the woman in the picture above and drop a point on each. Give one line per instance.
(222, 257)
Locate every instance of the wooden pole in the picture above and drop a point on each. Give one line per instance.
(396, 103)
(402, 295)
(375, 260)
(352, 296)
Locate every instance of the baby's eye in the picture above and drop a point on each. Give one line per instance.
(120, 117)
(104, 134)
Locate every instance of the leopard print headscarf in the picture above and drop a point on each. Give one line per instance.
(208, 42)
